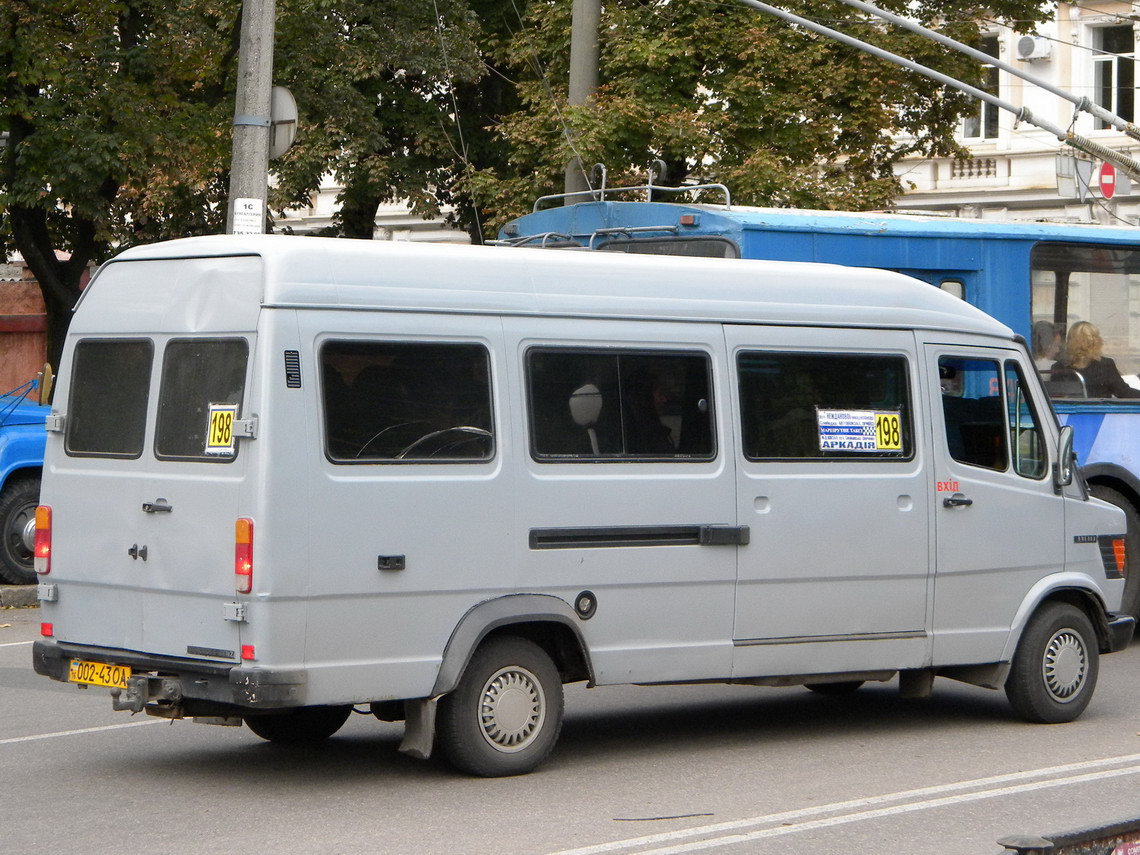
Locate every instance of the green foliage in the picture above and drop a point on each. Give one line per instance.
(721, 92)
(374, 83)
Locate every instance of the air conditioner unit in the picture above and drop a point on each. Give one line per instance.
(1030, 48)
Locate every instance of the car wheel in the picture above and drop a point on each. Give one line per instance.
(1055, 667)
(17, 508)
(304, 725)
(505, 715)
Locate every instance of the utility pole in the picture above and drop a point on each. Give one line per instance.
(587, 16)
(249, 169)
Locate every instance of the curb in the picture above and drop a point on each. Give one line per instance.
(18, 596)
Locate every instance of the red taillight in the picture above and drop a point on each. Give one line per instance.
(247, 653)
(243, 555)
(41, 550)
(47, 630)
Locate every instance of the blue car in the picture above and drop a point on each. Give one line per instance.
(21, 462)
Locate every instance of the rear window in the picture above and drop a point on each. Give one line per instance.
(110, 386)
(203, 384)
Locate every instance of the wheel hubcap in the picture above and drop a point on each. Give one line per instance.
(512, 710)
(1064, 665)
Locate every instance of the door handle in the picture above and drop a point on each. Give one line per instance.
(957, 501)
(158, 506)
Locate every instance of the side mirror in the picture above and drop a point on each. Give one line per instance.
(1066, 460)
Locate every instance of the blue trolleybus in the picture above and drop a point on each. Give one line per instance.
(1041, 279)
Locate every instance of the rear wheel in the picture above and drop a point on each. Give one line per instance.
(505, 715)
(1130, 605)
(17, 508)
(1055, 667)
(304, 725)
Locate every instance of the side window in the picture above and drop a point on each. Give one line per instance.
(972, 408)
(591, 405)
(203, 384)
(406, 402)
(110, 386)
(803, 406)
(1028, 445)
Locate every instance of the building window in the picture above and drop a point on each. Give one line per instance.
(1113, 75)
(983, 124)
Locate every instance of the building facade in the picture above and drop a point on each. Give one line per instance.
(1020, 172)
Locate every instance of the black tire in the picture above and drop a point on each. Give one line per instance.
(1055, 667)
(1130, 605)
(302, 726)
(506, 713)
(845, 687)
(17, 507)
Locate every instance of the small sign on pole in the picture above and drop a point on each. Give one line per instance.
(249, 217)
(1107, 178)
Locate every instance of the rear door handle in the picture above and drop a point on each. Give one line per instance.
(958, 500)
(158, 506)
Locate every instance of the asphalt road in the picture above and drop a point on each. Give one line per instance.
(725, 769)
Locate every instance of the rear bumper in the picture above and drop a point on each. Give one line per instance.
(196, 686)
(1120, 629)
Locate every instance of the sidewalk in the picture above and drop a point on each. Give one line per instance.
(18, 595)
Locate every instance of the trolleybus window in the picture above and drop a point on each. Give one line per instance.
(1094, 283)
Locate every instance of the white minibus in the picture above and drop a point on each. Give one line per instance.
(288, 477)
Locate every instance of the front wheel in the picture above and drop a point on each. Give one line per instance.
(17, 508)
(1055, 667)
(505, 715)
(304, 725)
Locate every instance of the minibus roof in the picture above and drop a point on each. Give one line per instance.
(309, 272)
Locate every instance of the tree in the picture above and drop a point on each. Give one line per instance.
(119, 114)
(112, 112)
(375, 84)
(720, 92)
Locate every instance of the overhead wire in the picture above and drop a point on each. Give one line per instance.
(462, 153)
(567, 132)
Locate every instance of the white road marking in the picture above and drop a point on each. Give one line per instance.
(857, 810)
(59, 733)
(15, 643)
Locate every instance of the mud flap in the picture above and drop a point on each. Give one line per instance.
(419, 727)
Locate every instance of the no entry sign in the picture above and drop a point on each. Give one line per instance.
(1107, 180)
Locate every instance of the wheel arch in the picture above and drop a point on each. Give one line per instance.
(1062, 590)
(543, 619)
(21, 472)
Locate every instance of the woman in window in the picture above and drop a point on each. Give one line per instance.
(1084, 354)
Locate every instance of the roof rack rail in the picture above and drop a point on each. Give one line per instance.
(599, 195)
